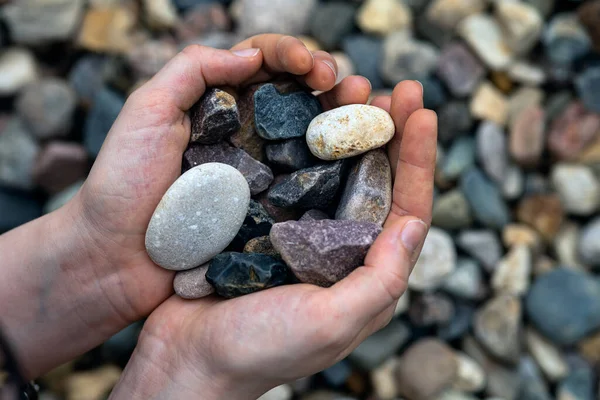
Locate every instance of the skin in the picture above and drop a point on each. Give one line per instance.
(73, 278)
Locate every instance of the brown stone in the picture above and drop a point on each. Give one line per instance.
(589, 15)
(502, 81)
(425, 369)
(519, 234)
(260, 245)
(590, 348)
(246, 137)
(192, 284)
(59, 165)
(572, 131)
(107, 29)
(543, 212)
(527, 136)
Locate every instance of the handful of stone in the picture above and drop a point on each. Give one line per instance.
(229, 226)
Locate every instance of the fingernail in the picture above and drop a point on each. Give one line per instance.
(330, 65)
(246, 52)
(413, 235)
(370, 85)
(422, 90)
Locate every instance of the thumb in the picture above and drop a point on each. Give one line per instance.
(184, 79)
(373, 288)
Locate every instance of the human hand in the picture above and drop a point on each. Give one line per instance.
(239, 348)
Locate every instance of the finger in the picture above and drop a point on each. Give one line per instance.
(351, 90)
(383, 102)
(370, 290)
(184, 79)
(407, 98)
(281, 54)
(413, 186)
(323, 75)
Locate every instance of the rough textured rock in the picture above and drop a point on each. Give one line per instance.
(483, 33)
(460, 69)
(564, 305)
(283, 115)
(383, 17)
(323, 252)
(589, 243)
(258, 175)
(40, 22)
(572, 131)
(246, 138)
(452, 211)
(46, 107)
(512, 273)
(349, 131)
(578, 188)
(18, 152)
(367, 196)
(425, 369)
(436, 262)
(261, 245)
(314, 187)
(214, 118)
(279, 214)
(380, 346)
(106, 108)
(405, 57)
(483, 245)
(238, 274)
(485, 199)
(290, 155)
(257, 223)
(17, 69)
(59, 165)
(497, 327)
(198, 216)
(542, 212)
(192, 284)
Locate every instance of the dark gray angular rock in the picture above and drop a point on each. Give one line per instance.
(214, 117)
(588, 87)
(257, 223)
(314, 187)
(192, 284)
(17, 208)
(331, 22)
(261, 245)
(314, 215)
(323, 252)
(459, 324)
(290, 155)
(279, 214)
(367, 196)
(104, 112)
(564, 304)
(238, 274)
(366, 53)
(380, 346)
(485, 199)
(454, 120)
(258, 175)
(280, 115)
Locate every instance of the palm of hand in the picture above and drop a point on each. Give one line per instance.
(282, 333)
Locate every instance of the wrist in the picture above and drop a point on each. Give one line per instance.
(157, 371)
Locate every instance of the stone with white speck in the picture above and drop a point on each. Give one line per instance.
(349, 131)
(198, 216)
(192, 284)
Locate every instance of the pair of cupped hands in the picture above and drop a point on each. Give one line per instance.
(237, 349)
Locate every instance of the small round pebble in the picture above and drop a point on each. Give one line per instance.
(192, 284)
(198, 216)
(349, 131)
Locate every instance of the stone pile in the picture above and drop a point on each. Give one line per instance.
(504, 301)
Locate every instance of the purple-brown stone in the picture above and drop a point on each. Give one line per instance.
(192, 284)
(368, 193)
(258, 175)
(214, 117)
(460, 69)
(572, 131)
(59, 165)
(323, 252)
(527, 136)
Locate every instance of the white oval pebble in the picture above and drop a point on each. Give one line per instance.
(348, 131)
(182, 233)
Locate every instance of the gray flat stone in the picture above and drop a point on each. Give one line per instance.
(198, 216)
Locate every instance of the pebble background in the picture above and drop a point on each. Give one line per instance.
(505, 300)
